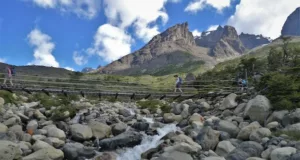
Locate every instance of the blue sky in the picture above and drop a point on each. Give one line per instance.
(87, 33)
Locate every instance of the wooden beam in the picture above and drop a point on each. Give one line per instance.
(177, 97)
(99, 95)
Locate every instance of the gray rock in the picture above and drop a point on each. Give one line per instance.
(282, 153)
(126, 139)
(57, 143)
(18, 131)
(49, 153)
(224, 148)
(277, 116)
(70, 150)
(185, 111)
(81, 132)
(106, 156)
(246, 150)
(224, 136)
(214, 158)
(258, 134)
(229, 102)
(291, 118)
(228, 127)
(177, 108)
(295, 156)
(32, 125)
(183, 138)
(39, 115)
(195, 117)
(273, 125)
(57, 133)
(2, 101)
(246, 131)
(40, 145)
(9, 150)
(171, 117)
(243, 124)
(240, 109)
(266, 153)
(208, 138)
(254, 158)
(141, 126)
(258, 109)
(12, 121)
(182, 147)
(175, 155)
(99, 130)
(119, 128)
(124, 112)
(293, 128)
(227, 113)
(25, 147)
(3, 128)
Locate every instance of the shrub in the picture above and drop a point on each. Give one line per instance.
(153, 105)
(7, 96)
(292, 134)
(59, 113)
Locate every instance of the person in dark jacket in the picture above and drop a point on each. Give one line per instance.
(178, 83)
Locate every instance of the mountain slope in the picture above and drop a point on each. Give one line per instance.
(175, 46)
(251, 41)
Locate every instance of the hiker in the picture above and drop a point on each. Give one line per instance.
(244, 84)
(178, 83)
(8, 75)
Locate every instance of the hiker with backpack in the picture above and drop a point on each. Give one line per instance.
(178, 83)
(9, 75)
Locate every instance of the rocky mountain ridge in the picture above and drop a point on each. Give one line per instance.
(175, 46)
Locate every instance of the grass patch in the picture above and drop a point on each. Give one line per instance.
(292, 134)
(49, 101)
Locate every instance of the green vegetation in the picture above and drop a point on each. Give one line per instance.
(188, 67)
(63, 112)
(49, 101)
(293, 135)
(153, 105)
(7, 96)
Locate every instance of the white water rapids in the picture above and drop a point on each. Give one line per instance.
(147, 143)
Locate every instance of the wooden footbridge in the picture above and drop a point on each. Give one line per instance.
(102, 88)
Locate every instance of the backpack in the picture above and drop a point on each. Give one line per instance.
(13, 71)
(180, 80)
(244, 82)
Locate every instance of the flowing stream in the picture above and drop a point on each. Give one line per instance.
(147, 143)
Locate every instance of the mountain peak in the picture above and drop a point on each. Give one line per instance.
(178, 32)
(292, 25)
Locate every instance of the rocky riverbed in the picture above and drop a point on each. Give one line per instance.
(216, 128)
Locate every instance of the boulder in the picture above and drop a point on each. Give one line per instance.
(106, 156)
(171, 117)
(293, 128)
(70, 150)
(126, 139)
(282, 153)
(25, 147)
(267, 153)
(196, 117)
(185, 139)
(228, 127)
(277, 116)
(49, 153)
(175, 155)
(291, 118)
(124, 112)
(100, 130)
(224, 148)
(32, 125)
(9, 150)
(240, 109)
(214, 158)
(258, 109)
(119, 128)
(39, 115)
(141, 126)
(182, 147)
(81, 132)
(57, 143)
(2, 101)
(18, 131)
(185, 111)
(273, 125)
(259, 134)
(3, 128)
(40, 145)
(246, 131)
(57, 133)
(246, 150)
(229, 102)
(208, 138)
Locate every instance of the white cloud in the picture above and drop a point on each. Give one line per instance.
(43, 48)
(196, 33)
(69, 68)
(83, 8)
(79, 59)
(145, 12)
(262, 16)
(212, 27)
(198, 5)
(2, 60)
(110, 43)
